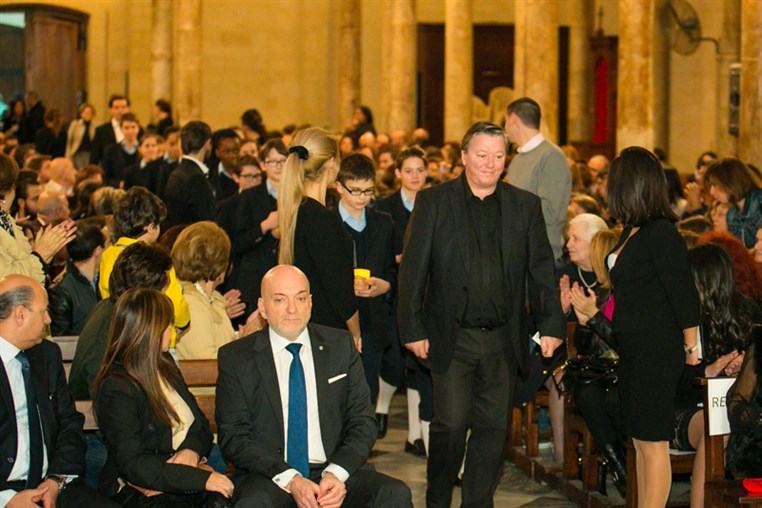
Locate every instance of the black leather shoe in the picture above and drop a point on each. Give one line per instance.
(416, 448)
(383, 422)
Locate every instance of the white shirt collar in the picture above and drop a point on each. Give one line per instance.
(115, 124)
(8, 351)
(279, 343)
(532, 143)
(271, 190)
(201, 165)
(357, 225)
(406, 201)
(222, 171)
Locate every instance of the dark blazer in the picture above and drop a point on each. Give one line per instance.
(61, 423)
(139, 444)
(252, 253)
(379, 259)
(188, 195)
(400, 216)
(434, 271)
(249, 413)
(115, 161)
(165, 169)
(72, 297)
(147, 176)
(104, 136)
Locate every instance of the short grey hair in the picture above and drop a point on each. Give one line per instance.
(594, 224)
(22, 295)
(486, 128)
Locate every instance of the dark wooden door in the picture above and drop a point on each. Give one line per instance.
(11, 61)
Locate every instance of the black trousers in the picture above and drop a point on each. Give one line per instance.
(365, 488)
(475, 393)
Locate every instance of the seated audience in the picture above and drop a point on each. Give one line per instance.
(731, 182)
(758, 248)
(75, 292)
(582, 203)
(17, 254)
(137, 218)
(42, 441)
(748, 273)
(104, 201)
(51, 139)
(328, 465)
(200, 255)
(27, 196)
(697, 224)
(157, 436)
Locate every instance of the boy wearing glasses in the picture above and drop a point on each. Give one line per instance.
(373, 235)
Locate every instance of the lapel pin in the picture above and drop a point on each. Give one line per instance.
(320, 348)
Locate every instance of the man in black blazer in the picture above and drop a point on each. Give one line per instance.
(256, 397)
(109, 133)
(37, 467)
(474, 248)
(189, 194)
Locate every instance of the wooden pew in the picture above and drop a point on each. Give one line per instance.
(68, 345)
(201, 378)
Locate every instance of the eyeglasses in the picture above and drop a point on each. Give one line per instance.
(360, 192)
(252, 176)
(275, 163)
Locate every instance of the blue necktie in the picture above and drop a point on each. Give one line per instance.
(297, 454)
(34, 477)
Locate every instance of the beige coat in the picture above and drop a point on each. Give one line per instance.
(75, 134)
(210, 327)
(16, 255)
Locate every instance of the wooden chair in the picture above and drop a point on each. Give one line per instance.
(720, 492)
(201, 378)
(68, 345)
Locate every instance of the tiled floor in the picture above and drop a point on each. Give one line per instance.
(515, 489)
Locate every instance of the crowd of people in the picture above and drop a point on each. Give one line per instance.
(326, 272)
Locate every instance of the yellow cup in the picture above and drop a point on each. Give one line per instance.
(362, 273)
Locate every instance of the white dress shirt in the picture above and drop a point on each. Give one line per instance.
(531, 144)
(20, 468)
(117, 126)
(283, 361)
(203, 167)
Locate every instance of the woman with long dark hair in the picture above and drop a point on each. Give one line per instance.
(156, 434)
(656, 316)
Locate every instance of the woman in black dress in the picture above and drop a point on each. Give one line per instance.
(156, 434)
(313, 238)
(656, 316)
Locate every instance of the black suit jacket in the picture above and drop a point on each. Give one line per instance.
(61, 423)
(188, 195)
(434, 271)
(104, 136)
(139, 444)
(400, 216)
(379, 259)
(250, 416)
(147, 176)
(115, 162)
(252, 253)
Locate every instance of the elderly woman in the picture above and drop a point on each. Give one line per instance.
(17, 254)
(200, 257)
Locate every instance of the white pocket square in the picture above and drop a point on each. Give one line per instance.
(336, 378)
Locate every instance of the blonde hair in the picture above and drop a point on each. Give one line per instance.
(308, 154)
(201, 252)
(600, 245)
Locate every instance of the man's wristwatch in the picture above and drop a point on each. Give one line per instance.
(689, 350)
(61, 481)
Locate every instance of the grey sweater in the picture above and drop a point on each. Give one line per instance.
(545, 172)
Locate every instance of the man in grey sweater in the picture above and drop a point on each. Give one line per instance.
(540, 167)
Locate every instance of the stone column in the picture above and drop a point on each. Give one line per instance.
(188, 62)
(349, 59)
(535, 71)
(729, 47)
(459, 68)
(401, 68)
(642, 77)
(382, 117)
(161, 51)
(750, 133)
(580, 74)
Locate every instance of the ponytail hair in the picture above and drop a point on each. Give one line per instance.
(307, 157)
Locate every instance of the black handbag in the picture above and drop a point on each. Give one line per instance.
(585, 371)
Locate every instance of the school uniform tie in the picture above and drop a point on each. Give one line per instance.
(34, 477)
(297, 454)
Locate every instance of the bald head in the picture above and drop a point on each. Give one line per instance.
(596, 164)
(62, 172)
(23, 311)
(286, 302)
(52, 205)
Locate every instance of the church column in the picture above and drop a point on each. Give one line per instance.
(188, 62)
(535, 73)
(642, 76)
(161, 51)
(401, 67)
(459, 68)
(750, 132)
(580, 75)
(349, 59)
(728, 53)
